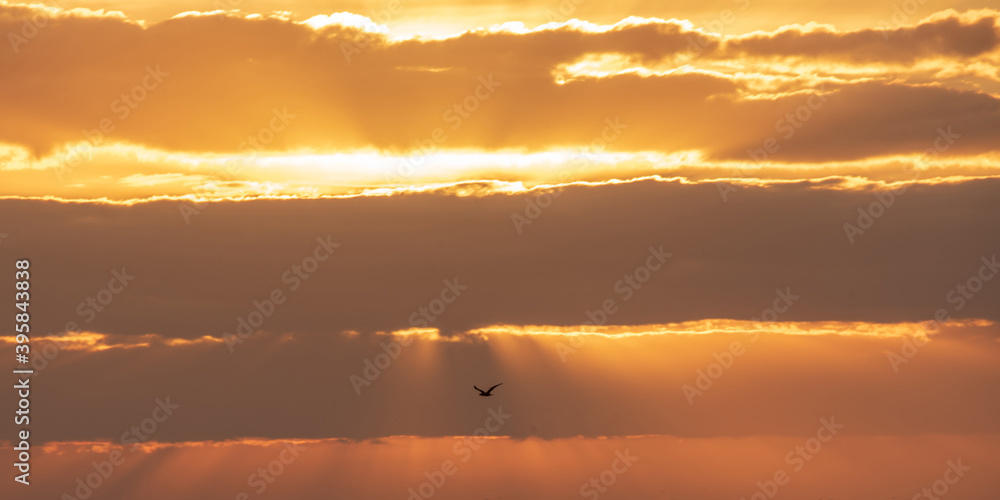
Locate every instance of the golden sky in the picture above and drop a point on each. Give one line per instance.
(150, 101)
(693, 232)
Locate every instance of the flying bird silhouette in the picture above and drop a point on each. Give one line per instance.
(487, 394)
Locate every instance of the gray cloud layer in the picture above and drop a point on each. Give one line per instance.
(728, 257)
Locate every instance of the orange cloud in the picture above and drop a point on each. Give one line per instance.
(878, 467)
(224, 83)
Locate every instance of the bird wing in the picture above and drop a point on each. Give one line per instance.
(476, 388)
(494, 387)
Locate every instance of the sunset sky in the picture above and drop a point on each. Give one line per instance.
(717, 249)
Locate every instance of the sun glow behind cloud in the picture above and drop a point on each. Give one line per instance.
(128, 172)
(93, 341)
